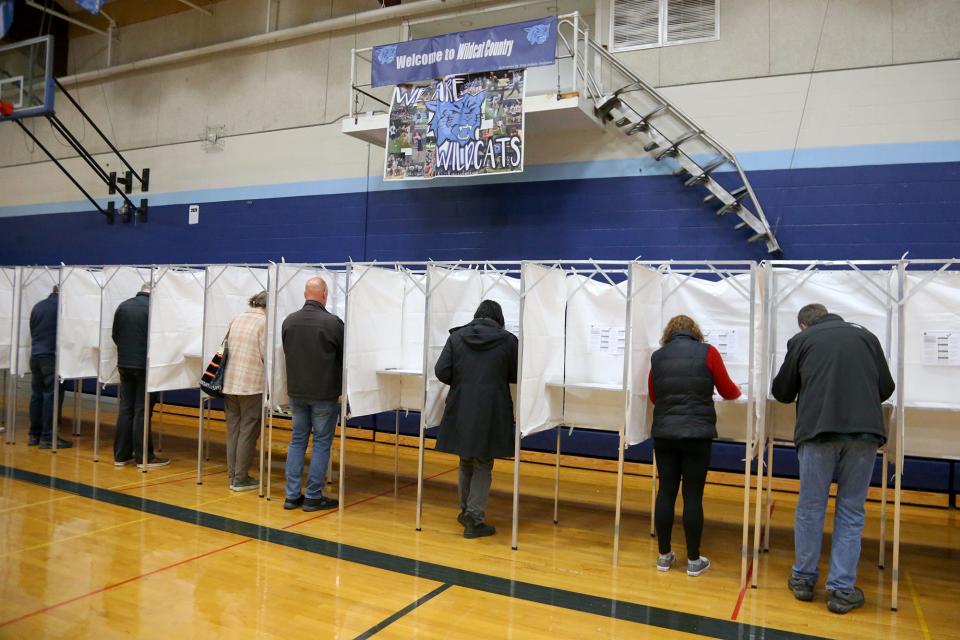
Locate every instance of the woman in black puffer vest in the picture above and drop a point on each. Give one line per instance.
(683, 374)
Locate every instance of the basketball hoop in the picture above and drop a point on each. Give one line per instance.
(6, 108)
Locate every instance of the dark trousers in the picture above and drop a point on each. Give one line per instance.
(475, 477)
(41, 397)
(128, 440)
(681, 462)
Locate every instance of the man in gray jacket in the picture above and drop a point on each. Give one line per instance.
(837, 373)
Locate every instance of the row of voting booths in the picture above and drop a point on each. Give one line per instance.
(586, 331)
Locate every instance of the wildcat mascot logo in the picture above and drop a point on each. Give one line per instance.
(457, 121)
(538, 33)
(387, 54)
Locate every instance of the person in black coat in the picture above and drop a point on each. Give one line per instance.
(130, 324)
(43, 354)
(683, 374)
(479, 362)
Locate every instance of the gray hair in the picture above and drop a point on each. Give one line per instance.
(259, 300)
(811, 313)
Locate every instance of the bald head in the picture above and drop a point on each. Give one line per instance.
(316, 290)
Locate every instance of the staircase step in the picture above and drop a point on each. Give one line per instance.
(675, 145)
(737, 193)
(707, 169)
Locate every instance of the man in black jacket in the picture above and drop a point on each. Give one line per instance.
(43, 350)
(839, 377)
(313, 350)
(130, 324)
(479, 361)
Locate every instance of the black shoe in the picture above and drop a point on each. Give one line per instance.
(33, 441)
(463, 519)
(61, 444)
(293, 503)
(802, 588)
(845, 601)
(475, 529)
(154, 463)
(319, 504)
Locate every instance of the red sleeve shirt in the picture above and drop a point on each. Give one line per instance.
(721, 379)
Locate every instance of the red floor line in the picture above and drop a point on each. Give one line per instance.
(157, 484)
(197, 557)
(746, 584)
(121, 583)
(743, 591)
(367, 499)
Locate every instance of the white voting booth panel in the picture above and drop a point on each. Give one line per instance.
(228, 292)
(646, 327)
(176, 329)
(721, 307)
(36, 284)
(454, 297)
(78, 331)
(932, 364)
(291, 281)
(594, 347)
(542, 347)
(860, 297)
(119, 284)
(384, 338)
(8, 291)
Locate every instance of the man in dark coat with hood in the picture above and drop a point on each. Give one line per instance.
(479, 362)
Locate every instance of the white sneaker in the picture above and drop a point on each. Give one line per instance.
(698, 566)
(123, 463)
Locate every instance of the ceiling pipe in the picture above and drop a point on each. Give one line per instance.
(293, 33)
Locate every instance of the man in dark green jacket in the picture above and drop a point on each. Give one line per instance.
(838, 375)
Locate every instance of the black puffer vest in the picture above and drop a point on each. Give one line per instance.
(683, 386)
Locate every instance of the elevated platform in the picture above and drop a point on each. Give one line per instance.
(547, 112)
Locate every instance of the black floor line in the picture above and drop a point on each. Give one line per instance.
(386, 622)
(572, 600)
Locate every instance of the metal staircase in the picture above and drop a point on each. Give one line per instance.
(625, 102)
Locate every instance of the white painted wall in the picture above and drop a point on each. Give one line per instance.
(274, 100)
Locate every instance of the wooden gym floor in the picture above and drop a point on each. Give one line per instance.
(90, 550)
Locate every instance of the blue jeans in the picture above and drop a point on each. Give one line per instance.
(321, 419)
(853, 463)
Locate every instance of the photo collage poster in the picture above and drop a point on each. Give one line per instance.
(464, 125)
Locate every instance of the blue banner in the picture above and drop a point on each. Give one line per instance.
(6, 16)
(510, 46)
(93, 6)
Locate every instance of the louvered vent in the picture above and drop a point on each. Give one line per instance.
(636, 23)
(639, 24)
(691, 20)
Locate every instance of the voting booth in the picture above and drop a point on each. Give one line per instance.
(862, 292)
(452, 294)
(174, 334)
(78, 331)
(588, 330)
(35, 284)
(286, 297)
(227, 290)
(117, 283)
(383, 353)
(927, 375)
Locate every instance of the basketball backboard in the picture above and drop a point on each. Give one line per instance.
(26, 78)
